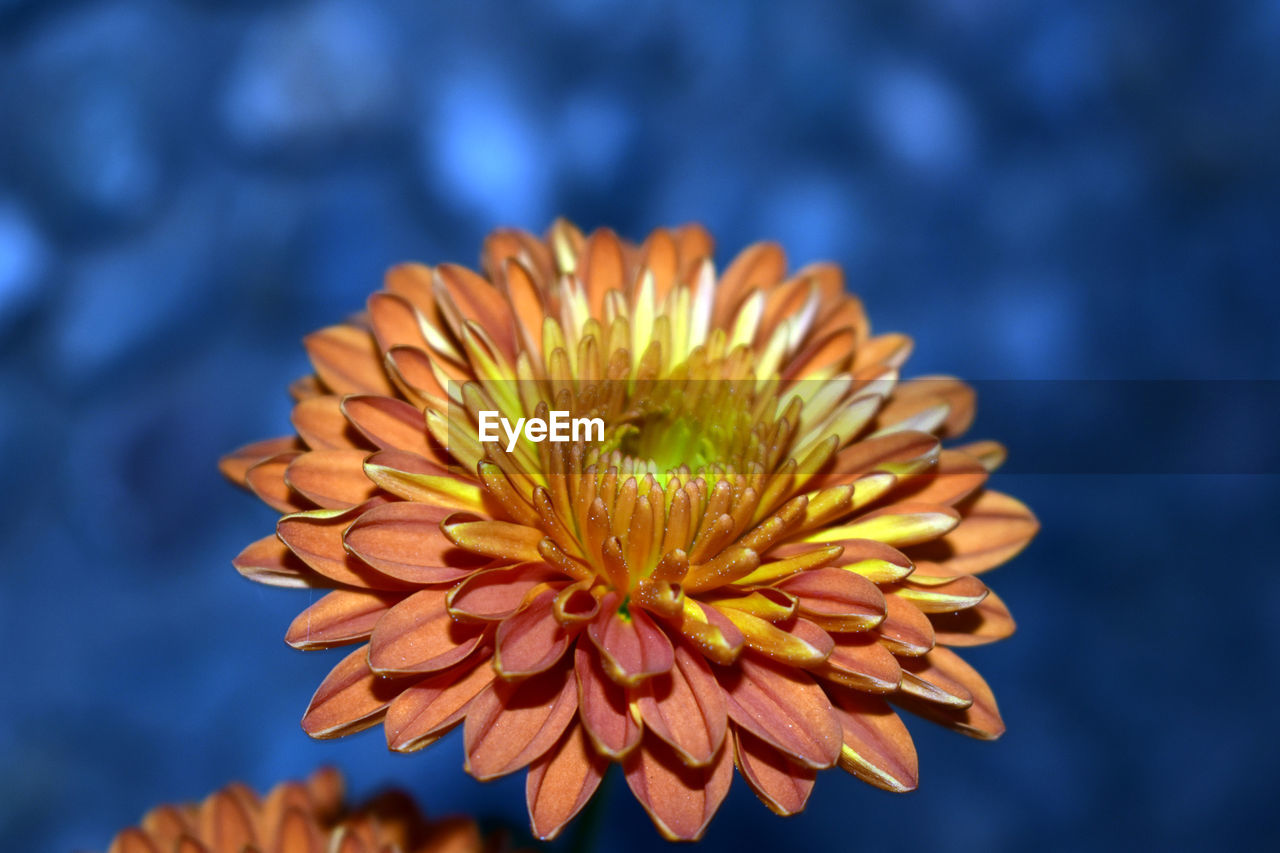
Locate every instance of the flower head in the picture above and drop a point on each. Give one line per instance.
(296, 817)
(765, 553)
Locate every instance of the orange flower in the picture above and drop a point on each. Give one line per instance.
(768, 551)
(296, 818)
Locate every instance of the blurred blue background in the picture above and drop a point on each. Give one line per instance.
(1083, 190)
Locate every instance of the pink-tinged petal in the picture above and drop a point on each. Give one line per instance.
(269, 561)
(390, 424)
(681, 800)
(350, 698)
(267, 481)
(316, 538)
(530, 641)
(993, 528)
(711, 632)
(236, 464)
(987, 622)
(836, 600)
(225, 824)
(980, 720)
(603, 706)
(347, 360)
(686, 708)
(511, 724)
(419, 635)
(905, 629)
(494, 594)
(419, 479)
(860, 661)
(877, 746)
(333, 479)
(780, 783)
(631, 646)
(403, 540)
(784, 707)
(425, 711)
(561, 782)
(342, 617)
(321, 424)
(501, 540)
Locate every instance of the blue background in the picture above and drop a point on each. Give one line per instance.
(1082, 190)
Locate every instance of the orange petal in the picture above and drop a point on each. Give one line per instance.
(297, 832)
(711, 632)
(860, 661)
(681, 800)
(267, 481)
(494, 594)
(395, 322)
(603, 706)
(532, 640)
(561, 782)
(403, 540)
(225, 824)
(898, 525)
(987, 622)
(939, 593)
(417, 478)
(339, 618)
(760, 265)
(511, 724)
(980, 720)
(316, 538)
(236, 464)
(932, 678)
(390, 424)
(836, 600)
(780, 783)
(321, 424)
(333, 479)
(877, 747)
(132, 840)
(686, 708)
(785, 707)
(425, 711)
(954, 478)
(993, 528)
(347, 360)
(799, 642)
(349, 699)
(502, 540)
(419, 635)
(463, 295)
(269, 561)
(631, 646)
(905, 629)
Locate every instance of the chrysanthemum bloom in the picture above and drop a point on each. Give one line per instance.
(296, 817)
(767, 553)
